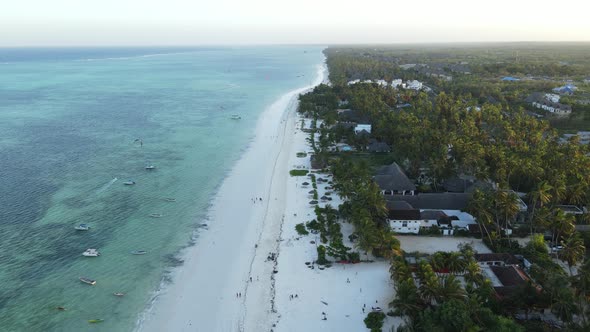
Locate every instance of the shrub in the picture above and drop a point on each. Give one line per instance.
(433, 230)
(322, 255)
(374, 321)
(298, 172)
(300, 228)
(354, 257)
(314, 226)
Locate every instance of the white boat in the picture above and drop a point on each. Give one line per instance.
(150, 167)
(91, 253)
(169, 199)
(156, 215)
(119, 294)
(129, 182)
(82, 227)
(235, 117)
(139, 252)
(88, 281)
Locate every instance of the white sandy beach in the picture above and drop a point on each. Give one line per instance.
(240, 235)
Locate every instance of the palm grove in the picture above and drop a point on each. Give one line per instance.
(447, 135)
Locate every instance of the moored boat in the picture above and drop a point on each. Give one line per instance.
(129, 182)
(94, 321)
(119, 294)
(139, 252)
(150, 167)
(88, 281)
(82, 227)
(156, 215)
(235, 117)
(169, 199)
(91, 253)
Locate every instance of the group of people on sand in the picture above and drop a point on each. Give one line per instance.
(254, 199)
(291, 297)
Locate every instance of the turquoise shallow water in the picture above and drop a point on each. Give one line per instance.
(68, 121)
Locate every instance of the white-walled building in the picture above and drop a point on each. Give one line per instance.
(553, 97)
(414, 85)
(397, 82)
(382, 83)
(360, 127)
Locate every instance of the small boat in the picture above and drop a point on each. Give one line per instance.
(139, 252)
(235, 117)
(119, 294)
(88, 281)
(94, 321)
(82, 227)
(168, 199)
(91, 253)
(129, 183)
(150, 167)
(61, 308)
(156, 215)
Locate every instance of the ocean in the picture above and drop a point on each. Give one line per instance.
(75, 124)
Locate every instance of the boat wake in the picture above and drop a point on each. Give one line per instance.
(106, 186)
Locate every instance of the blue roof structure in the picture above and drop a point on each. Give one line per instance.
(510, 78)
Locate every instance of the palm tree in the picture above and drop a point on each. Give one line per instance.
(562, 225)
(407, 301)
(539, 196)
(506, 203)
(429, 283)
(573, 250)
(450, 288)
(563, 304)
(581, 284)
(455, 263)
(480, 207)
(473, 274)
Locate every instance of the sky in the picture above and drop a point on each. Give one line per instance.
(212, 22)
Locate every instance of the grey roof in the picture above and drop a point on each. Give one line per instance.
(376, 146)
(442, 201)
(457, 185)
(392, 177)
(353, 116)
(432, 214)
(535, 96)
(398, 205)
(507, 258)
(404, 214)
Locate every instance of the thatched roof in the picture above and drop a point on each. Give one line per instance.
(442, 201)
(392, 177)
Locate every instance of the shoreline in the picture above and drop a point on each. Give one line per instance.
(203, 295)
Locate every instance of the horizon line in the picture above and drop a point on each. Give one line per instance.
(304, 44)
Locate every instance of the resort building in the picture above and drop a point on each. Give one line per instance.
(393, 181)
(504, 271)
(414, 85)
(397, 82)
(362, 127)
(403, 218)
